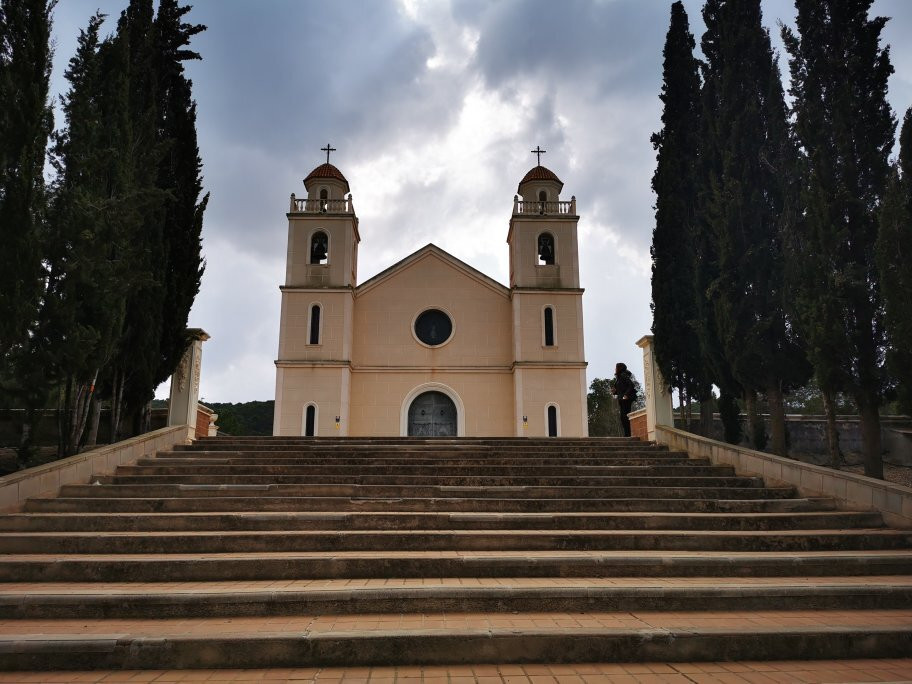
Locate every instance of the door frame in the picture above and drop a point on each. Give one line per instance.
(432, 387)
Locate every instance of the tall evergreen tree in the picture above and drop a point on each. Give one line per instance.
(894, 258)
(94, 218)
(706, 258)
(674, 182)
(180, 176)
(846, 130)
(747, 207)
(25, 125)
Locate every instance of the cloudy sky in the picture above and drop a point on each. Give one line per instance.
(433, 106)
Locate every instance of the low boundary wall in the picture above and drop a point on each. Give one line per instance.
(48, 478)
(848, 489)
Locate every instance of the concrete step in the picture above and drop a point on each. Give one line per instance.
(264, 503)
(379, 450)
(153, 467)
(444, 638)
(296, 458)
(255, 520)
(430, 564)
(229, 542)
(439, 480)
(431, 492)
(515, 594)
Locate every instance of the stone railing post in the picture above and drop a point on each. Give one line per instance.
(573, 205)
(658, 398)
(185, 384)
(351, 204)
(292, 207)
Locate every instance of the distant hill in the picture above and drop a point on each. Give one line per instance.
(248, 418)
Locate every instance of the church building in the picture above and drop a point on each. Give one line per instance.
(431, 346)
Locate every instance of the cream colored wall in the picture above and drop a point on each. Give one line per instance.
(294, 331)
(525, 270)
(298, 386)
(561, 386)
(384, 317)
(377, 400)
(528, 317)
(340, 264)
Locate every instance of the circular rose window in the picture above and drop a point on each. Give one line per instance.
(433, 327)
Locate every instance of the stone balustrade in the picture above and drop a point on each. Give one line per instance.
(321, 206)
(544, 208)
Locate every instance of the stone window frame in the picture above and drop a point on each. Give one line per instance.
(316, 422)
(452, 326)
(329, 247)
(557, 419)
(538, 263)
(544, 328)
(310, 309)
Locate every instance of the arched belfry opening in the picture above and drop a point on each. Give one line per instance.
(319, 248)
(546, 249)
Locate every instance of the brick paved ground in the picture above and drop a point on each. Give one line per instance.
(768, 672)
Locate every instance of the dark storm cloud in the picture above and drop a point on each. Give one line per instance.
(614, 44)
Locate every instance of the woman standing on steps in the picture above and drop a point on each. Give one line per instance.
(626, 394)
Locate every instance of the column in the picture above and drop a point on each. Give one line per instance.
(658, 398)
(185, 383)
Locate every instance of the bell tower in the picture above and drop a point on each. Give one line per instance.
(549, 358)
(313, 368)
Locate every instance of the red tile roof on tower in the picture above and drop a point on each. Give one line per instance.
(326, 171)
(541, 173)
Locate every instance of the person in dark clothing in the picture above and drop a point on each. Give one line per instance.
(625, 392)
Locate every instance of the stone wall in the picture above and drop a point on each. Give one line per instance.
(807, 437)
(851, 491)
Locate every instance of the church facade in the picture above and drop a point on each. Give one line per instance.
(431, 346)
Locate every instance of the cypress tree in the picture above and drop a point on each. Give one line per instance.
(131, 380)
(94, 219)
(747, 217)
(25, 125)
(846, 130)
(674, 182)
(706, 258)
(894, 259)
(180, 176)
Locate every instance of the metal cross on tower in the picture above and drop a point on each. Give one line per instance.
(329, 148)
(538, 152)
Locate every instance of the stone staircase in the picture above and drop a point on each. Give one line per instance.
(290, 552)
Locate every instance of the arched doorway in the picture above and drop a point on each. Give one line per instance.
(432, 414)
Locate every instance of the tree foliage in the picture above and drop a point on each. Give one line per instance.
(845, 128)
(894, 259)
(674, 306)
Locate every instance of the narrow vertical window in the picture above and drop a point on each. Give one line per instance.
(549, 326)
(324, 195)
(552, 421)
(546, 249)
(310, 421)
(319, 248)
(314, 324)
(542, 199)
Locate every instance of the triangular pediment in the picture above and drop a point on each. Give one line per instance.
(447, 260)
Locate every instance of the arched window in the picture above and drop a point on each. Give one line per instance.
(319, 248)
(542, 201)
(546, 249)
(548, 315)
(310, 420)
(314, 333)
(552, 420)
(324, 195)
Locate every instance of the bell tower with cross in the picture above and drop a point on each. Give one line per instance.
(549, 358)
(316, 328)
